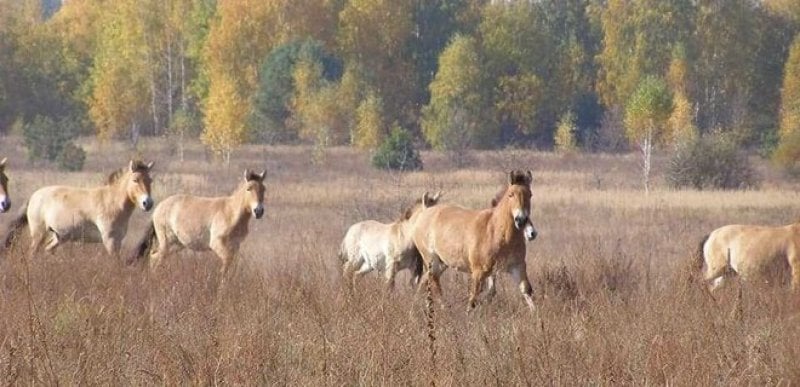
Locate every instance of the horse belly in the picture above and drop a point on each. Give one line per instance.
(82, 232)
(192, 237)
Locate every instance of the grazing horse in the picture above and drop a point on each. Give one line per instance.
(202, 223)
(88, 214)
(372, 245)
(750, 252)
(5, 201)
(479, 242)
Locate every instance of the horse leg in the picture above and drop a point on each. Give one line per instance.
(391, 271)
(363, 269)
(38, 236)
(112, 244)
(225, 254)
(491, 290)
(54, 242)
(519, 275)
(715, 276)
(794, 264)
(478, 276)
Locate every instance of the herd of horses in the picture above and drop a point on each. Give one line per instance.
(428, 238)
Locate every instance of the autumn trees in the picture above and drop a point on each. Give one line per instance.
(453, 74)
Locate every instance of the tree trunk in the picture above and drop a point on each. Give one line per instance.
(646, 147)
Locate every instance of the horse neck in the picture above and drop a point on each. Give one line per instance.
(501, 223)
(114, 197)
(235, 207)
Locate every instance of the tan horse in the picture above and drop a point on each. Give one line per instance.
(202, 223)
(372, 245)
(750, 252)
(89, 214)
(479, 242)
(5, 201)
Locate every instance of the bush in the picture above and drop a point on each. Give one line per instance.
(397, 152)
(564, 138)
(71, 157)
(713, 161)
(45, 138)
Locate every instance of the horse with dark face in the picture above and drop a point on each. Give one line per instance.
(219, 224)
(99, 214)
(479, 242)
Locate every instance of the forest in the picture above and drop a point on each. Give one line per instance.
(585, 75)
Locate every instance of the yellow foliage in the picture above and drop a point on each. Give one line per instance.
(565, 134)
(226, 113)
(369, 130)
(680, 125)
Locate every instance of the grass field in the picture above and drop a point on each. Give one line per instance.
(609, 269)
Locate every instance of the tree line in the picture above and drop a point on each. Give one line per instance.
(454, 74)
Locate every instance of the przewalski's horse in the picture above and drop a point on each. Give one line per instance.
(87, 214)
(751, 252)
(372, 245)
(202, 223)
(479, 242)
(5, 201)
(530, 230)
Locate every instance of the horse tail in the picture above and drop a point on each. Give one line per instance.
(145, 244)
(15, 226)
(699, 256)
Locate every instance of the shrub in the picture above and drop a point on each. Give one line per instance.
(45, 138)
(564, 138)
(713, 161)
(71, 157)
(397, 152)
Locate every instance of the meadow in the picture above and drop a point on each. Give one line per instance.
(617, 303)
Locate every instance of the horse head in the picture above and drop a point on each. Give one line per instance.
(5, 201)
(137, 184)
(253, 190)
(517, 198)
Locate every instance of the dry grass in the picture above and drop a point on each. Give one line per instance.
(609, 269)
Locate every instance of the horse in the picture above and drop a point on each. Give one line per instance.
(387, 247)
(749, 252)
(479, 242)
(89, 214)
(5, 201)
(219, 224)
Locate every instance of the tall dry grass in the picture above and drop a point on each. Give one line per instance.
(616, 302)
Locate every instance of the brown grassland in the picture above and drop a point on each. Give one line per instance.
(616, 303)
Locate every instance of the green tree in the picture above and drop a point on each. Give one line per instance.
(565, 134)
(455, 118)
(646, 112)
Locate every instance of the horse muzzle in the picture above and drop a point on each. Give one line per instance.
(147, 204)
(530, 232)
(5, 205)
(258, 212)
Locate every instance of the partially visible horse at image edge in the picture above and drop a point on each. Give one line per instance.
(751, 252)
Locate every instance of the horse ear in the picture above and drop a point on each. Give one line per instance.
(263, 174)
(3, 162)
(150, 165)
(437, 196)
(246, 174)
(530, 177)
(511, 177)
(131, 166)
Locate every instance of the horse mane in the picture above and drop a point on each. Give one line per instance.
(517, 178)
(138, 166)
(409, 210)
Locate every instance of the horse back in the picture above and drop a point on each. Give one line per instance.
(749, 249)
(450, 232)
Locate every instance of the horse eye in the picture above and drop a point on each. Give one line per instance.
(249, 188)
(135, 180)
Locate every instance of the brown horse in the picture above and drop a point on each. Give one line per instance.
(88, 214)
(201, 223)
(752, 252)
(479, 242)
(5, 201)
(372, 245)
